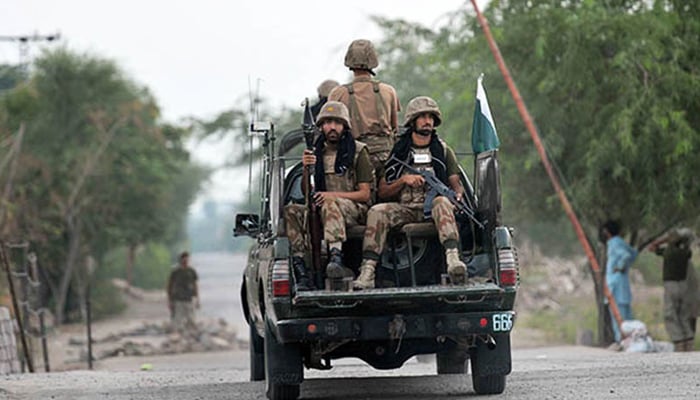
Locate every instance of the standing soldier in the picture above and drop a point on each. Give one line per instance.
(182, 290)
(324, 89)
(373, 105)
(421, 148)
(343, 174)
(678, 300)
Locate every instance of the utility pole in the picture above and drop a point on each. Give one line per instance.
(23, 42)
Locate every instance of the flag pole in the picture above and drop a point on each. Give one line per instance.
(527, 119)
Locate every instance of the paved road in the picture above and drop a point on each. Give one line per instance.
(538, 373)
(546, 373)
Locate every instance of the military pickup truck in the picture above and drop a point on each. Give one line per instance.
(413, 310)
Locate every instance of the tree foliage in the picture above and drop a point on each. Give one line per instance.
(96, 167)
(613, 87)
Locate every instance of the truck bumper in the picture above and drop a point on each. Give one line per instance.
(416, 326)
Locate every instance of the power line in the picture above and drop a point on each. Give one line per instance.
(23, 42)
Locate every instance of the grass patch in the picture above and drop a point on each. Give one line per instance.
(561, 325)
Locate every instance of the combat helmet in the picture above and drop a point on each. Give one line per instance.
(334, 109)
(324, 89)
(419, 105)
(361, 55)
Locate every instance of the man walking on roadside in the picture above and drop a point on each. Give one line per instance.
(183, 295)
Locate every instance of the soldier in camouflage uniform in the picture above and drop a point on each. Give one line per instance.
(421, 148)
(343, 174)
(373, 105)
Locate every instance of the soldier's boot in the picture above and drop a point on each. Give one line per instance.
(455, 267)
(303, 280)
(335, 268)
(366, 278)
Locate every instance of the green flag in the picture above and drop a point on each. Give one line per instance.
(484, 137)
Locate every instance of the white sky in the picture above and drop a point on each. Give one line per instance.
(198, 57)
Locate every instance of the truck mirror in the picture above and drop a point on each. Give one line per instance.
(247, 225)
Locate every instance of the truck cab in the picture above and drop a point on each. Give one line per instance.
(413, 310)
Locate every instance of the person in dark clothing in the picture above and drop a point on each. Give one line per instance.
(675, 250)
(183, 295)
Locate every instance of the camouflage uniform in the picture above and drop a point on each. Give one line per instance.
(373, 105)
(336, 213)
(383, 217)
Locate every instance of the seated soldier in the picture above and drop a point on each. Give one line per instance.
(421, 148)
(343, 174)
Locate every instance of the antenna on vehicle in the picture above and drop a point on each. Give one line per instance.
(253, 111)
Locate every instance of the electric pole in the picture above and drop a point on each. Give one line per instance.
(23, 42)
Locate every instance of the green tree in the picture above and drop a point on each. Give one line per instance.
(98, 168)
(612, 86)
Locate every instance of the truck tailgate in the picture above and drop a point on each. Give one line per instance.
(435, 298)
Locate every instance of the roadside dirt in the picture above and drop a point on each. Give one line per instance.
(220, 276)
(141, 308)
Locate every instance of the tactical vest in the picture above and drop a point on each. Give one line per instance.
(341, 183)
(379, 144)
(422, 160)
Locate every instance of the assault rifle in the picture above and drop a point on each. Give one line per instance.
(314, 219)
(437, 187)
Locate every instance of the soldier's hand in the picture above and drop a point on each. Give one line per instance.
(308, 158)
(413, 180)
(321, 197)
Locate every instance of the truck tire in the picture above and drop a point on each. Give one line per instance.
(490, 365)
(451, 362)
(257, 354)
(492, 384)
(283, 367)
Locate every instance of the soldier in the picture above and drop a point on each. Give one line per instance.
(678, 300)
(324, 89)
(343, 174)
(420, 147)
(373, 105)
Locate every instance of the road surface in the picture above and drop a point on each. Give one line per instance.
(544, 373)
(568, 372)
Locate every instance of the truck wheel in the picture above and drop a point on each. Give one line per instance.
(451, 362)
(490, 365)
(283, 367)
(257, 354)
(492, 384)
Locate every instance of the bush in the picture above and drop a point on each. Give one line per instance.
(106, 300)
(152, 266)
